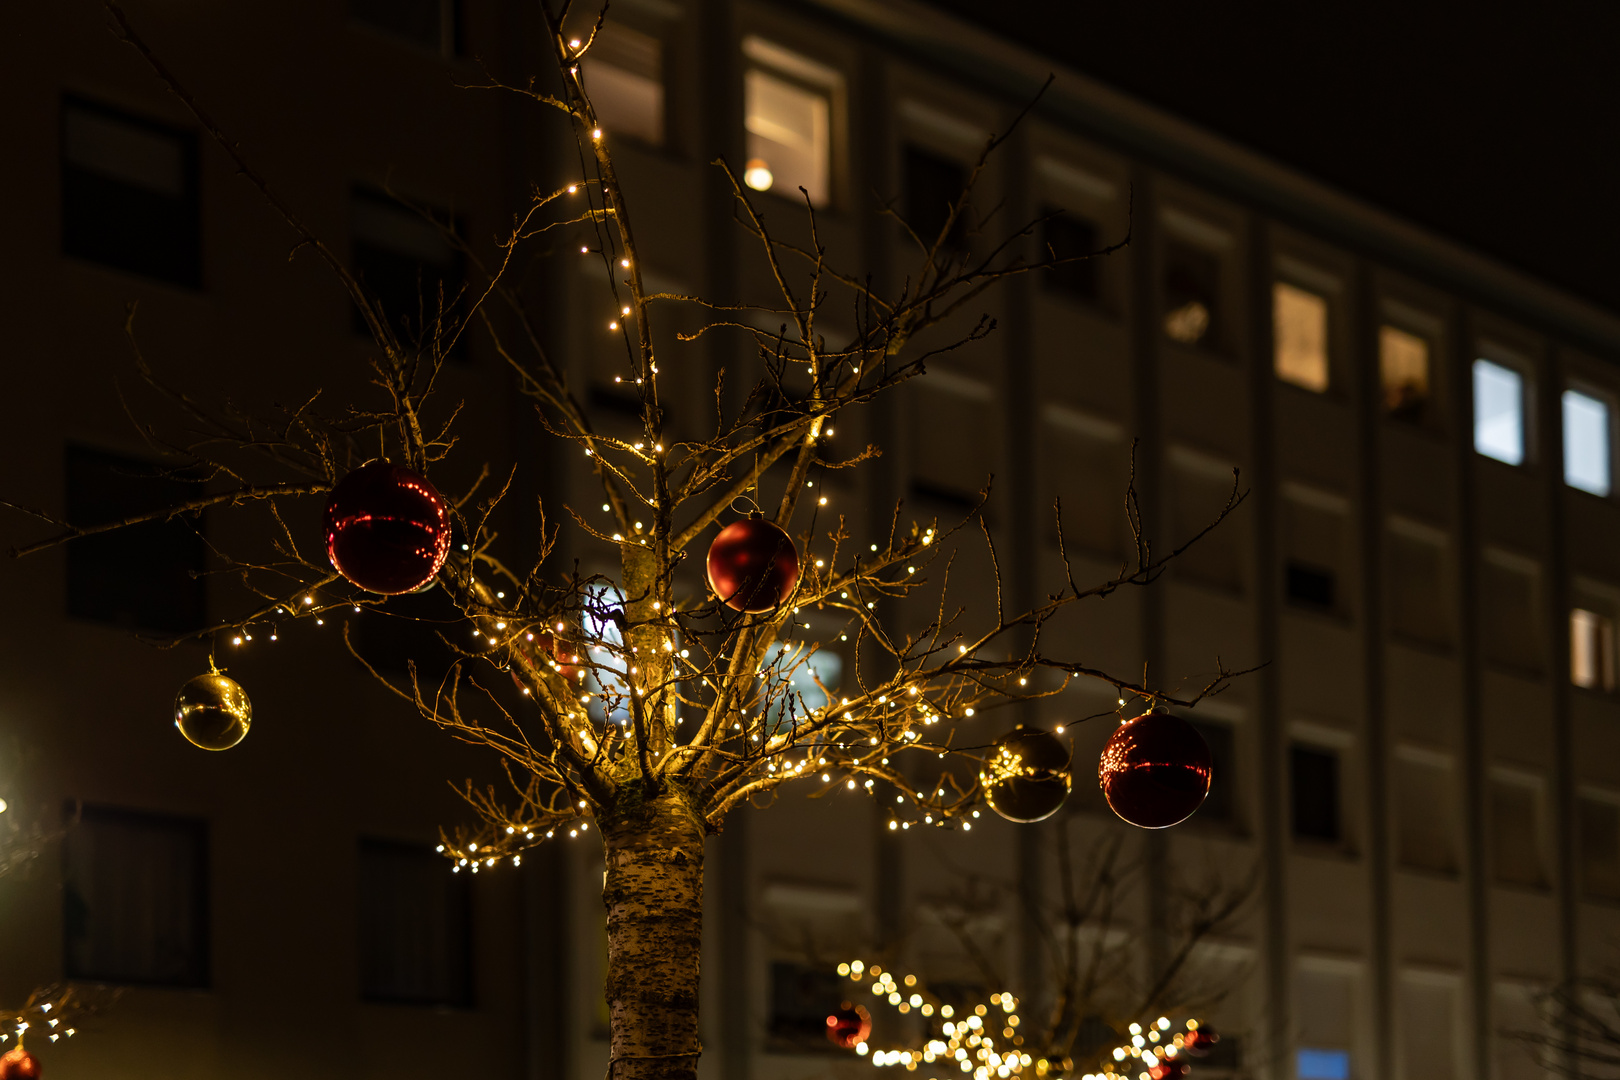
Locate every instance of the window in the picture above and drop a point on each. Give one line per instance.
(803, 696)
(1200, 486)
(1300, 325)
(1325, 1012)
(1586, 442)
(1220, 804)
(1425, 810)
(1591, 650)
(1314, 776)
(1598, 819)
(1510, 609)
(434, 25)
(1084, 466)
(1515, 824)
(1313, 536)
(1192, 278)
(802, 997)
(933, 184)
(788, 114)
(1403, 372)
(952, 444)
(415, 926)
(146, 576)
(407, 264)
(135, 899)
(1428, 1010)
(1499, 412)
(1417, 581)
(129, 194)
(1064, 236)
(624, 74)
(1318, 1064)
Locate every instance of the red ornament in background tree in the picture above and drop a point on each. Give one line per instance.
(1155, 770)
(387, 529)
(849, 1026)
(1199, 1041)
(1026, 776)
(19, 1064)
(753, 565)
(1168, 1069)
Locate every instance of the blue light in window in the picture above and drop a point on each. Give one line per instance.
(1322, 1064)
(1586, 442)
(1499, 412)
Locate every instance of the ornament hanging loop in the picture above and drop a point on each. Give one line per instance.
(750, 507)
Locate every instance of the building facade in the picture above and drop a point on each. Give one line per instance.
(1420, 773)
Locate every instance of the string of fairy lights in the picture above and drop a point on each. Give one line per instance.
(984, 1041)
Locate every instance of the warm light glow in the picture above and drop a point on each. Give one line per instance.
(758, 175)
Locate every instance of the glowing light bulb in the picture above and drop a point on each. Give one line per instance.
(758, 175)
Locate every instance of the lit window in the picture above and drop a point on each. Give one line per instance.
(1300, 320)
(787, 110)
(1313, 1064)
(1591, 650)
(623, 73)
(1403, 369)
(1499, 412)
(129, 194)
(1192, 279)
(1586, 442)
(802, 696)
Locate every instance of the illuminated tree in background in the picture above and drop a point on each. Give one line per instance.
(634, 702)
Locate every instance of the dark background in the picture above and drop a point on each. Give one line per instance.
(1496, 127)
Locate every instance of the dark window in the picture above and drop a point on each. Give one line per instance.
(405, 261)
(146, 575)
(415, 926)
(932, 186)
(1310, 586)
(1066, 237)
(1218, 806)
(135, 899)
(950, 505)
(802, 997)
(435, 25)
(129, 194)
(1314, 773)
(1225, 1054)
(1192, 281)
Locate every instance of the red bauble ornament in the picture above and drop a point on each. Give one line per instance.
(849, 1026)
(1168, 1069)
(1199, 1041)
(753, 565)
(387, 529)
(1155, 770)
(19, 1064)
(1026, 777)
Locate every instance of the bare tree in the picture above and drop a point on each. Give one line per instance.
(1579, 1035)
(1098, 976)
(647, 708)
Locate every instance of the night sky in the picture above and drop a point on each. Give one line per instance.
(1498, 131)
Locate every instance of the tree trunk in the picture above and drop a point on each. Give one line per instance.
(654, 899)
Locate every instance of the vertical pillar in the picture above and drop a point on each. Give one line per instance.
(1477, 880)
(1364, 317)
(1272, 829)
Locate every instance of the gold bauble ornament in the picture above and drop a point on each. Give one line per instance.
(213, 712)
